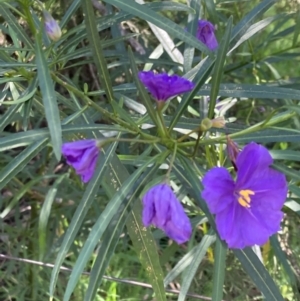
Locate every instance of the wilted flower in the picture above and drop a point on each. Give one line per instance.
(248, 210)
(51, 26)
(163, 86)
(82, 155)
(164, 211)
(206, 34)
(218, 122)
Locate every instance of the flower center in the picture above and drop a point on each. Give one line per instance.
(244, 197)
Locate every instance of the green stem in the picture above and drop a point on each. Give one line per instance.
(172, 161)
(162, 130)
(257, 127)
(29, 18)
(197, 129)
(196, 145)
(109, 140)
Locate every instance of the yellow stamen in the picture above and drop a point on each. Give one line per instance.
(244, 198)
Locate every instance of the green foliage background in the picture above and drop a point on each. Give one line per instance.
(62, 240)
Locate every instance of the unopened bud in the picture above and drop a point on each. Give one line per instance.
(232, 150)
(218, 122)
(51, 26)
(206, 124)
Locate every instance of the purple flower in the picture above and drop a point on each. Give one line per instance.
(82, 155)
(248, 210)
(52, 28)
(206, 34)
(164, 211)
(163, 86)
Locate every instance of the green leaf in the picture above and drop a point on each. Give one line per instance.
(142, 11)
(142, 238)
(285, 155)
(98, 229)
(203, 70)
(252, 91)
(218, 68)
(15, 25)
(258, 274)
(145, 247)
(297, 29)
(253, 29)
(212, 12)
(69, 13)
(21, 99)
(97, 51)
(280, 254)
(81, 211)
(192, 26)
(20, 139)
(19, 163)
(181, 265)
(45, 214)
(113, 232)
(49, 98)
(290, 172)
(247, 21)
(9, 116)
(25, 188)
(186, 173)
(206, 242)
(219, 270)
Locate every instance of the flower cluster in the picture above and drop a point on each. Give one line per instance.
(248, 210)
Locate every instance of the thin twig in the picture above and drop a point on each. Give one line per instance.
(125, 281)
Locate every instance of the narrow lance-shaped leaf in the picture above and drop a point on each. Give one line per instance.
(113, 232)
(49, 98)
(258, 274)
(170, 27)
(206, 242)
(81, 211)
(95, 43)
(99, 228)
(219, 270)
(218, 69)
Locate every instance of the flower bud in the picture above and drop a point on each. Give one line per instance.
(51, 26)
(206, 124)
(232, 150)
